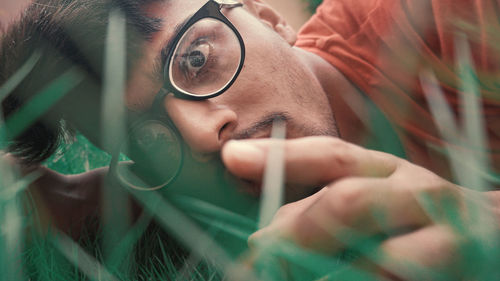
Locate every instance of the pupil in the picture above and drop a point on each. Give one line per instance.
(196, 59)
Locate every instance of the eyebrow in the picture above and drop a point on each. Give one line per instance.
(263, 125)
(161, 58)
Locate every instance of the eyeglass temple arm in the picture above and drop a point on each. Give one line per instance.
(157, 105)
(228, 3)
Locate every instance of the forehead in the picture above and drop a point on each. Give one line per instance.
(173, 13)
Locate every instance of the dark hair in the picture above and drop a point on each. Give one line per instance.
(66, 33)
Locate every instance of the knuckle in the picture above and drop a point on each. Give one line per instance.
(436, 187)
(301, 228)
(285, 210)
(339, 153)
(344, 202)
(446, 241)
(310, 232)
(338, 207)
(445, 247)
(420, 179)
(332, 144)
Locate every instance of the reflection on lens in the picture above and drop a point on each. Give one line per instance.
(155, 155)
(206, 58)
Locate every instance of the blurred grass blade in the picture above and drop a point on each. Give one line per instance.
(439, 108)
(116, 214)
(274, 174)
(214, 216)
(474, 129)
(12, 238)
(40, 104)
(113, 110)
(466, 148)
(312, 261)
(189, 234)
(19, 75)
(118, 254)
(224, 227)
(194, 206)
(10, 192)
(445, 122)
(86, 263)
(481, 231)
(11, 232)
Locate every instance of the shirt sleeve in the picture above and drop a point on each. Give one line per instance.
(382, 46)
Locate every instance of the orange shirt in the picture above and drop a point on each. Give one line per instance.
(381, 46)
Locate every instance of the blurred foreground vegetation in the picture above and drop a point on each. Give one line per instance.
(178, 237)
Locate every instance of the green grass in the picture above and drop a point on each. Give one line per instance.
(181, 236)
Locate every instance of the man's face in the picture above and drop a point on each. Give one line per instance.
(276, 82)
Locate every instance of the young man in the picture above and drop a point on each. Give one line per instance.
(347, 50)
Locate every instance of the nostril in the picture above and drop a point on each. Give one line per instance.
(226, 131)
(222, 129)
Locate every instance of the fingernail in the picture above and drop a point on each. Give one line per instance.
(245, 152)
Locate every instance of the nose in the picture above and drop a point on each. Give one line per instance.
(204, 125)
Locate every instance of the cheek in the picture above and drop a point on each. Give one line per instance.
(272, 80)
(265, 74)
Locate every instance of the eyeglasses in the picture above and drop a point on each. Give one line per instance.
(202, 61)
(207, 54)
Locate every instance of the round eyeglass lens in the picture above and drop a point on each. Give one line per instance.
(206, 58)
(154, 153)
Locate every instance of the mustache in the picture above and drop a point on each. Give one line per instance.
(263, 125)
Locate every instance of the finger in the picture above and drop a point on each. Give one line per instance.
(297, 207)
(289, 211)
(309, 161)
(430, 253)
(347, 212)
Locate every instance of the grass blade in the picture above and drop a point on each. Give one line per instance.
(115, 199)
(474, 129)
(86, 263)
(40, 104)
(19, 75)
(188, 233)
(273, 181)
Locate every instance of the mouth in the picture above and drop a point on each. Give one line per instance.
(264, 129)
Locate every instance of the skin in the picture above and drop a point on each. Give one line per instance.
(207, 125)
(355, 180)
(372, 193)
(264, 88)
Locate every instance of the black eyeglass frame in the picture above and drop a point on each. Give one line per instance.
(211, 9)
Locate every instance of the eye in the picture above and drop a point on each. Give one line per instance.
(195, 58)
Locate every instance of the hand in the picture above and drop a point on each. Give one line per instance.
(426, 222)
